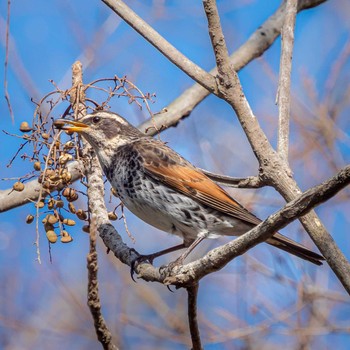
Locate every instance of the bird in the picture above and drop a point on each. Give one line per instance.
(165, 190)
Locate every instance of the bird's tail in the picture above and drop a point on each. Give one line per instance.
(292, 247)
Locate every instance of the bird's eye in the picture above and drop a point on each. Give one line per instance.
(95, 120)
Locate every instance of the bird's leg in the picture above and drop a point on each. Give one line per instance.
(151, 257)
(184, 255)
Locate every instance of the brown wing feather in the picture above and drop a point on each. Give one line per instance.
(194, 184)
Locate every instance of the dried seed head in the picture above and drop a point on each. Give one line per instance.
(112, 216)
(50, 172)
(51, 219)
(73, 197)
(48, 227)
(86, 228)
(37, 166)
(71, 208)
(18, 186)
(65, 237)
(24, 127)
(49, 161)
(65, 158)
(51, 203)
(40, 204)
(29, 219)
(45, 136)
(68, 192)
(69, 222)
(51, 236)
(81, 214)
(59, 203)
(66, 177)
(54, 176)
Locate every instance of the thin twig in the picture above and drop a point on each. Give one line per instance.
(283, 93)
(217, 39)
(238, 182)
(7, 95)
(192, 292)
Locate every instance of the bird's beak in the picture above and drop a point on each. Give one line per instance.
(76, 126)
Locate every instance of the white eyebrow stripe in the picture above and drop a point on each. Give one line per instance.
(106, 115)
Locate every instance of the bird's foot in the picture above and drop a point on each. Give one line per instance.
(138, 260)
(167, 269)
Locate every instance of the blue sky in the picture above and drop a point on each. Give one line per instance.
(44, 305)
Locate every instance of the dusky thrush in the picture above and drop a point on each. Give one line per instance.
(165, 190)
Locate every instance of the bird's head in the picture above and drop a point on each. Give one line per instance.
(101, 129)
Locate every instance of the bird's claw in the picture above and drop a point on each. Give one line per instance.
(138, 260)
(167, 269)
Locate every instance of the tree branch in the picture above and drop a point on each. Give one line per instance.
(273, 170)
(192, 292)
(168, 50)
(283, 93)
(10, 199)
(217, 37)
(181, 107)
(103, 334)
(254, 47)
(219, 257)
(77, 99)
(238, 182)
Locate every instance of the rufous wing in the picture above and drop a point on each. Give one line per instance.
(193, 183)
